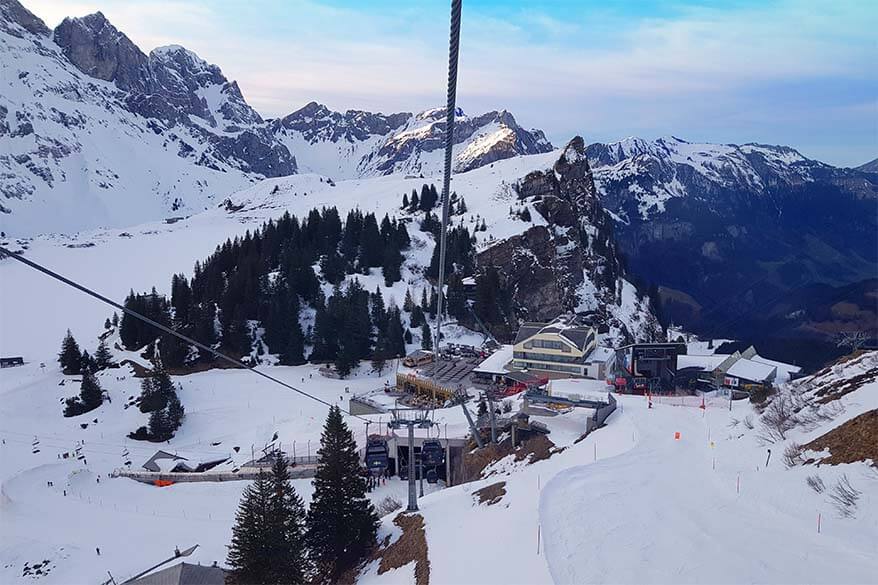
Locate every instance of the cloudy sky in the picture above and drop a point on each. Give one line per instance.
(801, 73)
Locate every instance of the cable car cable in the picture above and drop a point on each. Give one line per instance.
(164, 328)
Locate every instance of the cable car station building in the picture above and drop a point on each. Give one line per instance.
(558, 348)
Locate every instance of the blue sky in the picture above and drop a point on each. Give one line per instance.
(781, 72)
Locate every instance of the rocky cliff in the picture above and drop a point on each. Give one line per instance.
(569, 262)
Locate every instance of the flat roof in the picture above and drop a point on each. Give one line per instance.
(496, 362)
(702, 362)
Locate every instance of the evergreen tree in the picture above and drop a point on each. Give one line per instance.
(395, 336)
(90, 391)
(159, 425)
(91, 395)
(417, 318)
(107, 323)
(426, 337)
(103, 358)
(249, 547)
(405, 201)
(86, 364)
(391, 267)
(408, 336)
(342, 524)
(155, 390)
(70, 357)
(294, 354)
(115, 319)
(415, 204)
(287, 559)
(408, 303)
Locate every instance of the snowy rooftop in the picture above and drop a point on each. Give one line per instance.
(784, 371)
(601, 354)
(751, 370)
(495, 363)
(583, 388)
(703, 362)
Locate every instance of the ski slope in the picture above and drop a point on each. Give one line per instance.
(630, 504)
(670, 511)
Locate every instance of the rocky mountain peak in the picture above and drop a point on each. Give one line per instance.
(100, 50)
(570, 263)
(11, 11)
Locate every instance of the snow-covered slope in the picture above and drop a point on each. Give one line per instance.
(356, 143)
(652, 172)
(632, 504)
(95, 133)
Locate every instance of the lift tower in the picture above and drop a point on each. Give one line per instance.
(411, 418)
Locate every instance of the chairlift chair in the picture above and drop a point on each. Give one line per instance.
(377, 456)
(433, 453)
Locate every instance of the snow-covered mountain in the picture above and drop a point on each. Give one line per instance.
(731, 230)
(638, 176)
(95, 132)
(869, 167)
(357, 143)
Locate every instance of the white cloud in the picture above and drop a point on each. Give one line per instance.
(567, 76)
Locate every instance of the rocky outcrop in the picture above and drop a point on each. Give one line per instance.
(570, 264)
(11, 11)
(171, 85)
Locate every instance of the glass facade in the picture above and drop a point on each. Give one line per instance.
(547, 367)
(545, 357)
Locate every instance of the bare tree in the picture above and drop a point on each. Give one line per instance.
(792, 455)
(852, 340)
(844, 497)
(815, 483)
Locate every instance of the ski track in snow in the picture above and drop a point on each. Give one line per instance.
(660, 513)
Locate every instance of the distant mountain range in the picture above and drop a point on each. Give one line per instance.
(869, 167)
(98, 133)
(731, 232)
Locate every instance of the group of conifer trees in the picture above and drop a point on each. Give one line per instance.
(158, 397)
(265, 278)
(274, 540)
(73, 361)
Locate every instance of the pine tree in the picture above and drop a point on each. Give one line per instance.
(86, 364)
(405, 201)
(159, 426)
(70, 357)
(91, 395)
(342, 524)
(288, 559)
(294, 354)
(408, 303)
(115, 319)
(408, 336)
(107, 323)
(426, 337)
(249, 547)
(103, 358)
